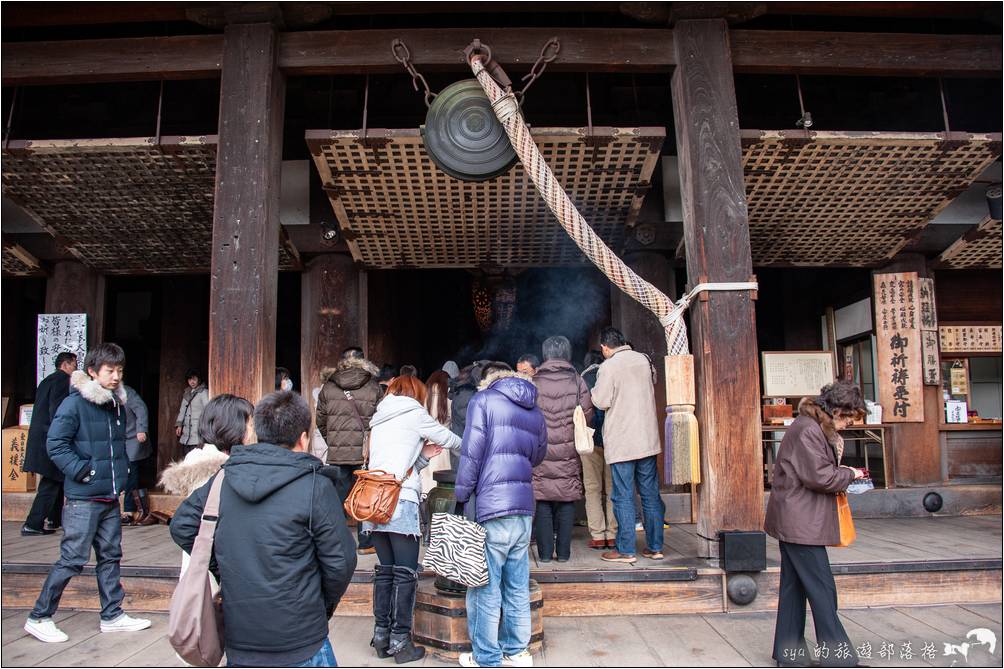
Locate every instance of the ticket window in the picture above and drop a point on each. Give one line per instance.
(975, 381)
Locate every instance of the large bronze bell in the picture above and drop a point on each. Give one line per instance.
(464, 137)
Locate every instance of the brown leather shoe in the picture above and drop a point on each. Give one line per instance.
(598, 544)
(614, 556)
(148, 519)
(652, 555)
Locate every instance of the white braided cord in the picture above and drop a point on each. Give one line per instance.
(508, 112)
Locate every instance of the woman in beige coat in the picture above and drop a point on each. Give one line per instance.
(802, 516)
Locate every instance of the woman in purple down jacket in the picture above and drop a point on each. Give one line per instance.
(504, 439)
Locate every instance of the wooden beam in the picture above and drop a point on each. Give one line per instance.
(723, 327)
(582, 49)
(245, 252)
(864, 54)
(129, 59)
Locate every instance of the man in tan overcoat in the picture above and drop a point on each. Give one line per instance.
(625, 389)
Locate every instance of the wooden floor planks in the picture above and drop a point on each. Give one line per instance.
(737, 639)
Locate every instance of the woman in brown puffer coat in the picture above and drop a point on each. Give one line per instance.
(802, 516)
(557, 481)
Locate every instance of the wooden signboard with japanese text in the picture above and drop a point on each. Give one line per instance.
(929, 333)
(932, 361)
(970, 338)
(900, 348)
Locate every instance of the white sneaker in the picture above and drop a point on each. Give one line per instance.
(467, 660)
(125, 624)
(523, 659)
(45, 630)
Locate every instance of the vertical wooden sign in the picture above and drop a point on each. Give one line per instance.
(929, 333)
(900, 349)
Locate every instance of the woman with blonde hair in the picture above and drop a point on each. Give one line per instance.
(403, 438)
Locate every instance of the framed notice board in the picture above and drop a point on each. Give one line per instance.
(796, 373)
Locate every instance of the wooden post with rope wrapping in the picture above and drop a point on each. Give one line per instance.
(717, 237)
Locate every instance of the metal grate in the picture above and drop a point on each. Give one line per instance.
(980, 248)
(852, 198)
(397, 209)
(122, 205)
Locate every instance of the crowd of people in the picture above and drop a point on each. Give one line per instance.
(283, 551)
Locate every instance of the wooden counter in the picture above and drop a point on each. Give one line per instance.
(968, 427)
(971, 452)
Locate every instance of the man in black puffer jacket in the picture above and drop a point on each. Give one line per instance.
(87, 442)
(283, 552)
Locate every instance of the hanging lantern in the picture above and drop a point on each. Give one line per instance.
(481, 299)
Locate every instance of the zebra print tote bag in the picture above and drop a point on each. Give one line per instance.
(457, 550)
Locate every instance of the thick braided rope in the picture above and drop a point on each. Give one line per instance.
(571, 220)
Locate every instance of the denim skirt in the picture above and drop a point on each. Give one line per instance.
(404, 521)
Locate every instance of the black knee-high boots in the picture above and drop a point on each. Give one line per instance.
(405, 589)
(383, 608)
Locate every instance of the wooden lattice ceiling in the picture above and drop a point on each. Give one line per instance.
(979, 248)
(852, 198)
(397, 209)
(122, 206)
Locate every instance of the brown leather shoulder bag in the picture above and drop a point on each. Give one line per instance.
(374, 495)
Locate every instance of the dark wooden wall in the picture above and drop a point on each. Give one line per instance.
(21, 302)
(184, 344)
(968, 295)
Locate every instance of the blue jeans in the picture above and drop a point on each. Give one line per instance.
(626, 475)
(506, 597)
(325, 657)
(86, 524)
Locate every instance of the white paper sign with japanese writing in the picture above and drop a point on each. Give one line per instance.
(58, 333)
(900, 349)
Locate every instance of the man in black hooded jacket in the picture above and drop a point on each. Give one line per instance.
(283, 552)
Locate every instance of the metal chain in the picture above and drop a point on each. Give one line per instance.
(402, 55)
(548, 53)
(540, 65)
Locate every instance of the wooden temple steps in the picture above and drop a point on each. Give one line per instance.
(959, 500)
(578, 594)
(894, 562)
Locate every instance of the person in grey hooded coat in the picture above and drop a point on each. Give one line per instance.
(138, 448)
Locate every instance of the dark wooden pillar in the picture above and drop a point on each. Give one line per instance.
(640, 326)
(722, 327)
(246, 214)
(333, 317)
(74, 288)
